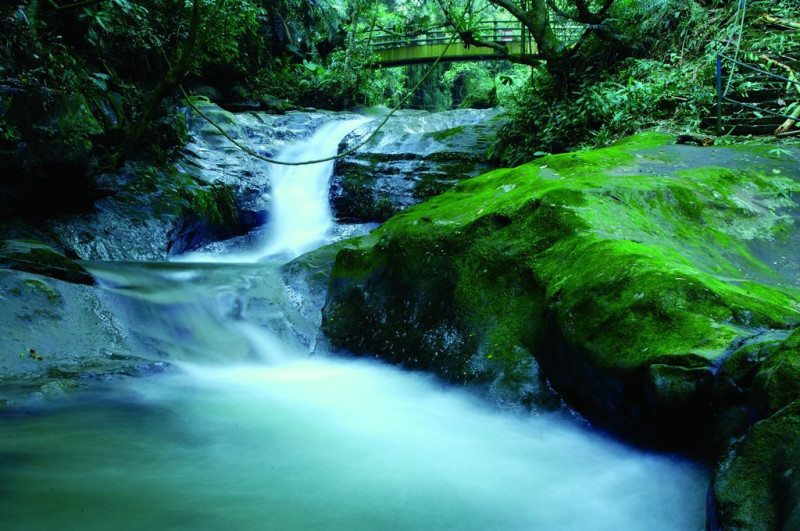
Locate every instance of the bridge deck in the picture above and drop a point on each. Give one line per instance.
(427, 47)
(427, 53)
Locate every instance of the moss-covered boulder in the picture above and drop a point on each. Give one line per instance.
(36, 257)
(756, 485)
(777, 383)
(627, 274)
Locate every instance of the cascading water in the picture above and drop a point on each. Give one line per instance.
(301, 214)
(300, 217)
(249, 432)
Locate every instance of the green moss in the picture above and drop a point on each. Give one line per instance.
(644, 140)
(430, 186)
(215, 204)
(625, 274)
(224, 119)
(40, 259)
(49, 292)
(777, 382)
(441, 136)
(755, 487)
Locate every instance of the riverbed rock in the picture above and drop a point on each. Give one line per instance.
(60, 334)
(757, 484)
(36, 257)
(416, 155)
(152, 214)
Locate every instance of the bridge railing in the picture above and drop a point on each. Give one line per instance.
(489, 30)
(498, 31)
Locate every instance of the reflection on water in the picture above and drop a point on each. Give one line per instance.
(326, 444)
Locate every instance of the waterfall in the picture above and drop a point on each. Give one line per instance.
(301, 214)
(300, 217)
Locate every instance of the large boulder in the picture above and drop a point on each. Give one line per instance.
(757, 483)
(153, 213)
(648, 283)
(415, 155)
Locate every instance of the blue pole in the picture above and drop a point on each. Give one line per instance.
(719, 95)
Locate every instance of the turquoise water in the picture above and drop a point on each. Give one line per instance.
(326, 444)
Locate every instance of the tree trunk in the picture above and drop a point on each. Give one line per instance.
(355, 18)
(537, 20)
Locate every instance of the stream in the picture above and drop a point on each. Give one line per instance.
(251, 425)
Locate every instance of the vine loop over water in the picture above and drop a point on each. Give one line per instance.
(327, 159)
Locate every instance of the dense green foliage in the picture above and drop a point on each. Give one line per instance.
(668, 81)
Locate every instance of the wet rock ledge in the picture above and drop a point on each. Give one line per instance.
(59, 331)
(415, 156)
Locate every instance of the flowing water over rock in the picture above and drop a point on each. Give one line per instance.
(246, 430)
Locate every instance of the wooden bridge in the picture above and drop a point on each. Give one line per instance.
(427, 47)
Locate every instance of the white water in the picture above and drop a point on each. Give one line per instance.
(300, 217)
(332, 445)
(249, 432)
(301, 213)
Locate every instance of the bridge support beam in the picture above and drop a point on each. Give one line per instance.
(427, 53)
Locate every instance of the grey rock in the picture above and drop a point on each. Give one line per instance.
(415, 155)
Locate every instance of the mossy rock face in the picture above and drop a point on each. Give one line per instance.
(155, 212)
(46, 151)
(209, 214)
(777, 382)
(628, 274)
(38, 258)
(757, 485)
(61, 126)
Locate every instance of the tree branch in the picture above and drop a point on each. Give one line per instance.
(557, 10)
(586, 16)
